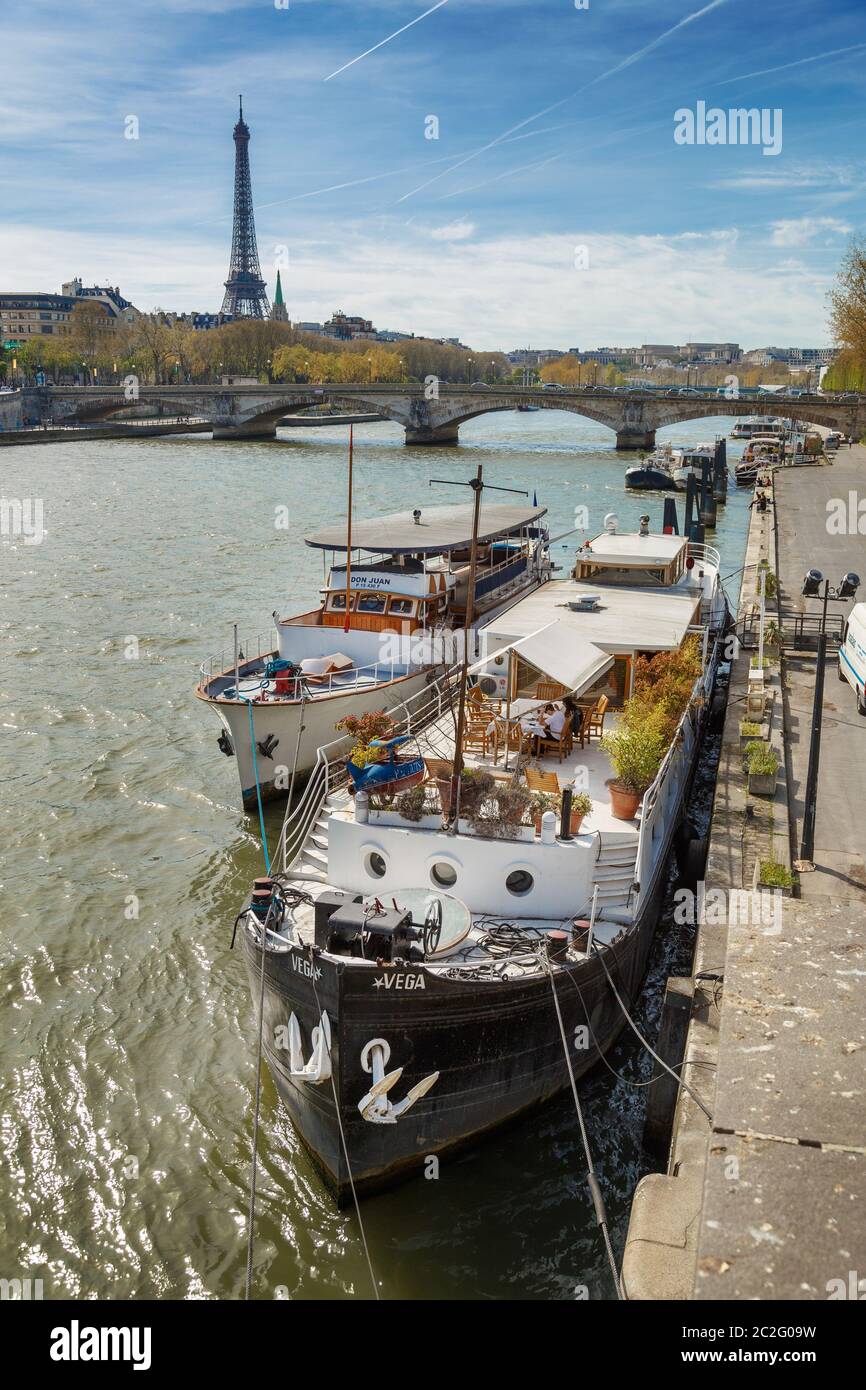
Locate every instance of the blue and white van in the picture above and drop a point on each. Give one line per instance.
(852, 654)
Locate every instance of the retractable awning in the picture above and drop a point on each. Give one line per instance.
(558, 652)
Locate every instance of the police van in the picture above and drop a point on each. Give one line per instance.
(852, 654)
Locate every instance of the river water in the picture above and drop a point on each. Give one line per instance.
(127, 1067)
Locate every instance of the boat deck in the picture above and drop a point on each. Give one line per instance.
(585, 769)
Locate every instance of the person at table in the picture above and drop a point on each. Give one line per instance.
(554, 722)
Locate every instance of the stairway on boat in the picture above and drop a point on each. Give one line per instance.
(615, 873)
(311, 863)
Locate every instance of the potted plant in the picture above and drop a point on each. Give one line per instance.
(541, 802)
(411, 804)
(503, 814)
(636, 752)
(763, 766)
(363, 728)
(749, 731)
(581, 805)
(476, 785)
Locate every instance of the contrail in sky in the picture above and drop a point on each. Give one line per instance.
(626, 62)
(384, 41)
(816, 58)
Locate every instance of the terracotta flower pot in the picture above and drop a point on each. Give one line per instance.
(576, 822)
(623, 804)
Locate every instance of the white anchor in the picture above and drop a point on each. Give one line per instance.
(375, 1105)
(318, 1069)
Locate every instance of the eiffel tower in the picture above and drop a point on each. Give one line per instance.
(245, 296)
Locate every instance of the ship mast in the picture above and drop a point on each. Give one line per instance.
(478, 485)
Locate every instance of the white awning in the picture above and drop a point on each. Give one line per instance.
(561, 654)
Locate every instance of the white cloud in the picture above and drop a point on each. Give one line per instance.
(492, 291)
(453, 231)
(798, 231)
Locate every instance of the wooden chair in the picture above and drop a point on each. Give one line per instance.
(549, 690)
(538, 781)
(508, 737)
(477, 735)
(475, 695)
(582, 732)
(563, 744)
(596, 721)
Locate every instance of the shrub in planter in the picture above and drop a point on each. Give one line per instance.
(502, 815)
(541, 802)
(636, 752)
(363, 728)
(581, 805)
(412, 803)
(763, 766)
(476, 786)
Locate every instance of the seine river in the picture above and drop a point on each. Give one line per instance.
(127, 1067)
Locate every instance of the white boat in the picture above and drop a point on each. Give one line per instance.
(758, 424)
(655, 473)
(406, 590)
(460, 959)
(691, 464)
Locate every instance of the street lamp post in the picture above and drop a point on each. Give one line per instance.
(846, 589)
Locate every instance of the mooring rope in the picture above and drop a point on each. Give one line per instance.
(345, 1146)
(630, 1021)
(258, 790)
(591, 1175)
(256, 1110)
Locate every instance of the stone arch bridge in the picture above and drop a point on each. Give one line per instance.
(429, 416)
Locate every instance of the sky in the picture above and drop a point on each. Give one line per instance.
(555, 207)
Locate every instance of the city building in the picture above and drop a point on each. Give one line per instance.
(711, 352)
(347, 327)
(534, 357)
(792, 356)
(118, 309)
(25, 315)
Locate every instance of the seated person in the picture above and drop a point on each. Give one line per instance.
(537, 721)
(554, 721)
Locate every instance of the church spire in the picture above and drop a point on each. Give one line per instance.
(278, 311)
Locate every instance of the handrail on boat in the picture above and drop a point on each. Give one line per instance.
(327, 777)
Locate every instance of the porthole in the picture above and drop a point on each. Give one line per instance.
(445, 875)
(519, 882)
(376, 865)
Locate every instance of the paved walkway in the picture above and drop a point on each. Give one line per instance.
(805, 542)
(768, 1200)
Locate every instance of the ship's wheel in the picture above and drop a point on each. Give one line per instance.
(432, 930)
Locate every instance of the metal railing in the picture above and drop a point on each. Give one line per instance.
(309, 685)
(707, 553)
(222, 663)
(330, 775)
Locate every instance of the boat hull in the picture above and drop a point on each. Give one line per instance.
(648, 480)
(495, 1043)
(287, 727)
(496, 1046)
